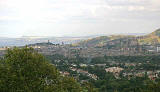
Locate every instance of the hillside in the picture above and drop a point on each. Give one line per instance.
(149, 39)
(102, 40)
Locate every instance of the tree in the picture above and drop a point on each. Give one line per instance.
(24, 70)
(89, 87)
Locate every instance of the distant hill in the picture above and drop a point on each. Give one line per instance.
(96, 40)
(152, 38)
(157, 33)
(149, 39)
(102, 40)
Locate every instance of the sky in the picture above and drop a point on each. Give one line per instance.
(77, 17)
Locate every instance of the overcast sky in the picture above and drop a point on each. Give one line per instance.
(77, 17)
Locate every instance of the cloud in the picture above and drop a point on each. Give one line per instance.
(52, 10)
(76, 14)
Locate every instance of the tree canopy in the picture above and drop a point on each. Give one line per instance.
(25, 70)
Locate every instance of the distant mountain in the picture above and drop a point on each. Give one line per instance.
(152, 38)
(94, 40)
(157, 33)
(102, 40)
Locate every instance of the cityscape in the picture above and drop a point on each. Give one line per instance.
(79, 46)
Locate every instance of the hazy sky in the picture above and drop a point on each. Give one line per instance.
(77, 17)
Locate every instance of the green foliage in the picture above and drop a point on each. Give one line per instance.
(108, 82)
(24, 70)
(89, 87)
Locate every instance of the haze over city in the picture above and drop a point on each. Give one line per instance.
(77, 17)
